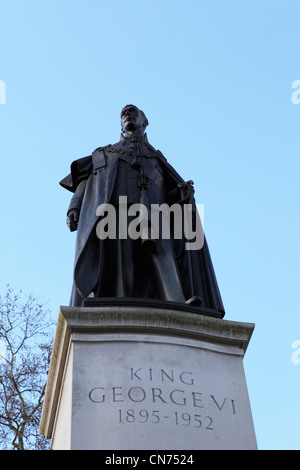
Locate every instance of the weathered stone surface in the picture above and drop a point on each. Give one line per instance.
(147, 378)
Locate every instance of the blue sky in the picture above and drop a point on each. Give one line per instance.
(215, 81)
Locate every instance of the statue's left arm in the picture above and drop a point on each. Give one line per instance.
(76, 183)
(75, 206)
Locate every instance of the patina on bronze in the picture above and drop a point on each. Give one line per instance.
(124, 268)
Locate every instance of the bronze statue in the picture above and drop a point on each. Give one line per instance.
(126, 176)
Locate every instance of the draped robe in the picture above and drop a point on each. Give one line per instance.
(100, 178)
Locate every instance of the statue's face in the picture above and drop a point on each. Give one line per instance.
(132, 119)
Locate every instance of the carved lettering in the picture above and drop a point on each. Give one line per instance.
(197, 400)
(95, 396)
(165, 397)
(183, 399)
(136, 394)
(233, 406)
(183, 374)
(116, 394)
(134, 373)
(162, 375)
(156, 393)
(220, 407)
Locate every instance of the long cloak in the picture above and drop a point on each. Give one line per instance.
(96, 175)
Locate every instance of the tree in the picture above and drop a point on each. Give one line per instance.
(26, 336)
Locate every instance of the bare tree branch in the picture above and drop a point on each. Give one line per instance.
(26, 335)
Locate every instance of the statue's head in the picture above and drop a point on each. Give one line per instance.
(133, 120)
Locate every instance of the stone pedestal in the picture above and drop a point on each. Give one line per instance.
(144, 377)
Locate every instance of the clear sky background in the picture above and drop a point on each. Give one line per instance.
(214, 78)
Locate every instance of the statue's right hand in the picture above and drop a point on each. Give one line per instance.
(72, 220)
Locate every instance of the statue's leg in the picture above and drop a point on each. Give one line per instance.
(165, 271)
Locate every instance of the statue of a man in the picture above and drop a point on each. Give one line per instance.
(111, 186)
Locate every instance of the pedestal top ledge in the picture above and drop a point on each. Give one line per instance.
(166, 318)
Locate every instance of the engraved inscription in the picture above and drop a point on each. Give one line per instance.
(178, 419)
(154, 396)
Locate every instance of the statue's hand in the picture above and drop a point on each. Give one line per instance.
(186, 184)
(186, 191)
(72, 220)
